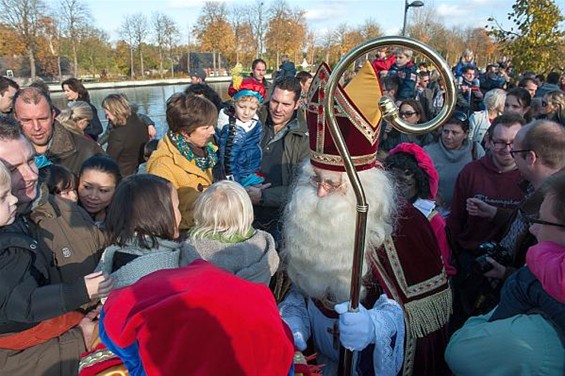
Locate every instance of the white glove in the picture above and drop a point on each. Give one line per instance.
(299, 341)
(298, 330)
(293, 311)
(356, 329)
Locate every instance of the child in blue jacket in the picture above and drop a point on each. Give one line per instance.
(405, 69)
(239, 133)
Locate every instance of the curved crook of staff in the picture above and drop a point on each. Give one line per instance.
(390, 114)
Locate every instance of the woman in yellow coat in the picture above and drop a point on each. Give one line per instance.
(186, 154)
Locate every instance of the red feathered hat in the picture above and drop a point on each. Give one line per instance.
(247, 87)
(200, 320)
(358, 116)
(424, 162)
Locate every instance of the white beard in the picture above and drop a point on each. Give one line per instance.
(319, 233)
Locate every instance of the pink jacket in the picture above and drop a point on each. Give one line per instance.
(546, 260)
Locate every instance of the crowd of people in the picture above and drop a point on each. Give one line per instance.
(226, 247)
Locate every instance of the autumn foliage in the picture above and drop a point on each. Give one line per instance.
(534, 41)
(33, 41)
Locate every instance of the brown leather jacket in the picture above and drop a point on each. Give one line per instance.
(70, 149)
(69, 233)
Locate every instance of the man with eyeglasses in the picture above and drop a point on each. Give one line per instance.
(493, 179)
(524, 334)
(539, 152)
(389, 86)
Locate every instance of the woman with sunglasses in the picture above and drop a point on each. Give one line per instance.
(450, 154)
(522, 335)
(553, 105)
(412, 112)
(75, 91)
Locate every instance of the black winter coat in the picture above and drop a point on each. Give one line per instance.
(26, 295)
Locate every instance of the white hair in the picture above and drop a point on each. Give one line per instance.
(494, 99)
(319, 232)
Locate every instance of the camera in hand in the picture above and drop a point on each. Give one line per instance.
(493, 250)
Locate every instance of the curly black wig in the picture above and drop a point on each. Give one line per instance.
(407, 162)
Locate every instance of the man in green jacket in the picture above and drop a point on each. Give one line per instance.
(34, 111)
(285, 146)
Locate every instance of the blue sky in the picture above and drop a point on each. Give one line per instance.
(321, 15)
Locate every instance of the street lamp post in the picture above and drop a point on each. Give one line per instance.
(260, 30)
(188, 52)
(415, 4)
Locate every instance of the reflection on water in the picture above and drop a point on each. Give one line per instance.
(150, 100)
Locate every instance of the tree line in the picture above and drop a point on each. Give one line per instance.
(50, 41)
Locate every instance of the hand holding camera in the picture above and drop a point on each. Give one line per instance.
(493, 257)
(498, 271)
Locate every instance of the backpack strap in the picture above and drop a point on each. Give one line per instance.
(18, 240)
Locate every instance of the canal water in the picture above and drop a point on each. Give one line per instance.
(150, 100)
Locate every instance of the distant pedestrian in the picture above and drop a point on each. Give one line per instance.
(75, 91)
(129, 135)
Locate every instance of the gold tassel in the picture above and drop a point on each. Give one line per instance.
(429, 314)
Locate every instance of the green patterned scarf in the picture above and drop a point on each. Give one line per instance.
(209, 159)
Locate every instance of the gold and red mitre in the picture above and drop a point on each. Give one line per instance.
(357, 114)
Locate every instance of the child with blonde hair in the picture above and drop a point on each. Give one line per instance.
(405, 69)
(239, 133)
(223, 234)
